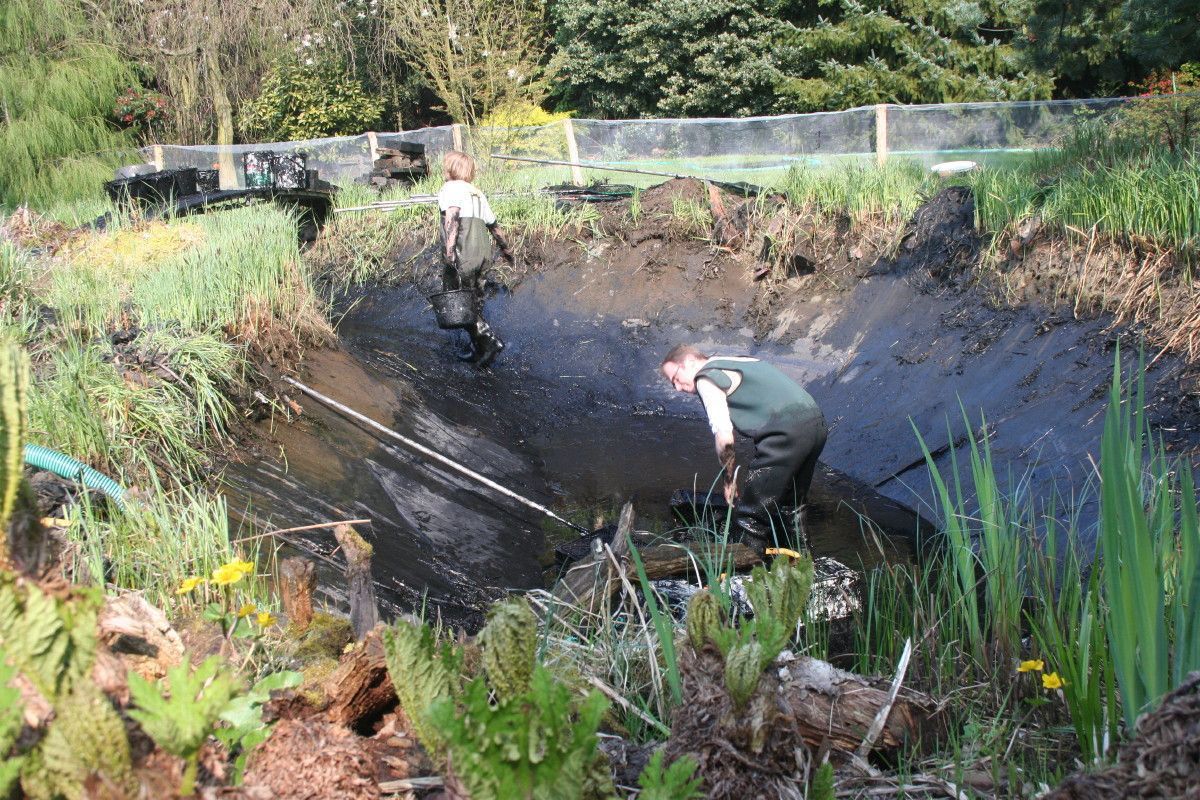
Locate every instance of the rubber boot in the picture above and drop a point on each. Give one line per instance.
(469, 352)
(752, 532)
(487, 343)
(489, 349)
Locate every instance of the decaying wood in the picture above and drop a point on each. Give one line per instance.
(724, 231)
(364, 613)
(296, 583)
(140, 635)
(360, 689)
(835, 707)
(594, 579)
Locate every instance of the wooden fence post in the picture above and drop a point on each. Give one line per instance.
(456, 136)
(159, 163)
(363, 611)
(373, 141)
(881, 134)
(573, 152)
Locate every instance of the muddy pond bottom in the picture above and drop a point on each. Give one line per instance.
(573, 415)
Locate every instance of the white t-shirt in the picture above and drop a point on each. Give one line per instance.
(470, 201)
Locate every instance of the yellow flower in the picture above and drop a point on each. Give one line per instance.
(232, 572)
(1030, 666)
(1052, 681)
(782, 551)
(246, 610)
(265, 619)
(188, 585)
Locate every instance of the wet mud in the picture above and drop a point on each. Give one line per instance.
(574, 415)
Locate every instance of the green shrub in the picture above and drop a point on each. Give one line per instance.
(308, 101)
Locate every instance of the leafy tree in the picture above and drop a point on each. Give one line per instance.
(1165, 33)
(1083, 45)
(477, 55)
(207, 56)
(57, 87)
(910, 51)
(302, 100)
(674, 58)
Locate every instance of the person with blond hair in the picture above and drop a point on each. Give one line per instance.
(468, 228)
(759, 401)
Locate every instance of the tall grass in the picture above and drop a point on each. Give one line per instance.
(173, 533)
(1151, 548)
(891, 192)
(1010, 566)
(82, 404)
(225, 270)
(1099, 178)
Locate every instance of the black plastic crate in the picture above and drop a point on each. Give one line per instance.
(266, 169)
(185, 181)
(290, 170)
(257, 168)
(208, 180)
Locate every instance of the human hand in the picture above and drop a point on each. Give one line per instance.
(724, 444)
(731, 491)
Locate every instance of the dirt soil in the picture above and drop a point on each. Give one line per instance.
(1162, 760)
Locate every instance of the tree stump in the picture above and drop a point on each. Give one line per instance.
(364, 614)
(360, 690)
(296, 582)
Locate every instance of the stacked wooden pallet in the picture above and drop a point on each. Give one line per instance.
(403, 165)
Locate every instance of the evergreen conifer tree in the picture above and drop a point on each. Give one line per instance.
(909, 51)
(671, 58)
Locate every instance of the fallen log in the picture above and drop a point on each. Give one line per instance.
(592, 580)
(360, 690)
(801, 705)
(830, 706)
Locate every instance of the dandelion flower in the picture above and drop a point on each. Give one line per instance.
(1051, 681)
(247, 610)
(188, 585)
(1035, 665)
(264, 619)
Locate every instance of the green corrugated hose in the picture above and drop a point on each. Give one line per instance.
(73, 469)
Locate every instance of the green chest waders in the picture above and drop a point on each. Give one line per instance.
(789, 433)
(473, 252)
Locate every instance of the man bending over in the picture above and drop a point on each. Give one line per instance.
(788, 429)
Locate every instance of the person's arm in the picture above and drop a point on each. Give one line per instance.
(716, 405)
(450, 234)
(502, 242)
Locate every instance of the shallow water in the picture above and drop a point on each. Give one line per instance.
(573, 414)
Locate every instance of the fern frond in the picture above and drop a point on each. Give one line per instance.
(86, 738)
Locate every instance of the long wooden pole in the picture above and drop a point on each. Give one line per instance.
(436, 456)
(589, 165)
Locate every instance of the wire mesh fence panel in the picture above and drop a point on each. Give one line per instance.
(987, 132)
(758, 150)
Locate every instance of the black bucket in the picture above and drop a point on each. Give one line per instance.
(454, 309)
